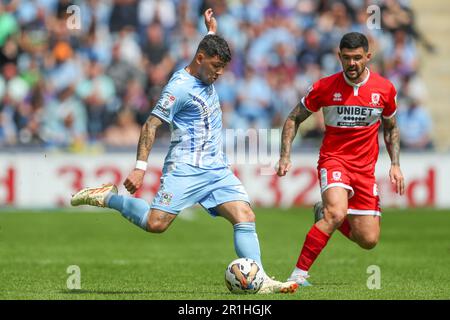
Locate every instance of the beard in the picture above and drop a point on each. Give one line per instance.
(355, 74)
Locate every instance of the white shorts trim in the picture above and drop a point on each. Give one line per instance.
(342, 185)
(364, 212)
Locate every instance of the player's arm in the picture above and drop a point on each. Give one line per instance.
(392, 140)
(290, 128)
(145, 144)
(147, 137)
(210, 21)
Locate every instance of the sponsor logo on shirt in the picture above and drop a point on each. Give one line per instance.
(204, 110)
(337, 96)
(351, 116)
(165, 103)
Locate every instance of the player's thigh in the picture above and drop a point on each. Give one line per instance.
(180, 188)
(236, 211)
(228, 198)
(366, 200)
(365, 229)
(364, 209)
(335, 187)
(159, 220)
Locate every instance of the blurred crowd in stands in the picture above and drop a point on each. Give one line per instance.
(71, 89)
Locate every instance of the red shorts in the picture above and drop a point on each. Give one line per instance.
(363, 196)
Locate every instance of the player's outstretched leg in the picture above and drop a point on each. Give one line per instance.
(133, 209)
(333, 216)
(246, 242)
(247, 246)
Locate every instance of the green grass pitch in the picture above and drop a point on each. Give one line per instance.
(119, 261)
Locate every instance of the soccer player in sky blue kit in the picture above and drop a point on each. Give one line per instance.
(196, 169)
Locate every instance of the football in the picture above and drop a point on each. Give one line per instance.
(244, 276)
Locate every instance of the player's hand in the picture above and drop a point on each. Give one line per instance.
(210, 21)
(396, 176)
(134, 180)
(284, 165)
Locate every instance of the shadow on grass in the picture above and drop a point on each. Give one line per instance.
(126, 292)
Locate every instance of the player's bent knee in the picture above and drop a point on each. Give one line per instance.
(156, 226)
(335, 215)
(249, 215)
(368, 243)
(245, 214)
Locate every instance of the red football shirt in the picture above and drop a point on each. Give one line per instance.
(352, 114)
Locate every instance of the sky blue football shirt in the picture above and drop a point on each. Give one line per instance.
(193, 112)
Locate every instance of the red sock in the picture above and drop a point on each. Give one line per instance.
(315, 241)
(345, 228)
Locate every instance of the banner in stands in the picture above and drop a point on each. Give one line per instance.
(44, 181)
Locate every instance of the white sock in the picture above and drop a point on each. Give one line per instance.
(299, 272)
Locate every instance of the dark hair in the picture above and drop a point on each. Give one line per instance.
(354, 40)
(214, 45)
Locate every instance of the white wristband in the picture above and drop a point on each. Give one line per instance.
(142, 165)
(211, 32)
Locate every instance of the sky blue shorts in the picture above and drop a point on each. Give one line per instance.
(183, 186)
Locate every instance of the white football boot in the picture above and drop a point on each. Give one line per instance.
(300, 280)
(93, 196)
(273, 286)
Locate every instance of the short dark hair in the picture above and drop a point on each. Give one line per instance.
(354, 40)
(214, 45)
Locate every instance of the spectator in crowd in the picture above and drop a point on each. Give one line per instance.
(65, 121)
(97, 92)
(124, 14)
(160, 11)
(415, 126)
(397, 16)
(136, 101)
(226, 89)
(158, 62)
(122, 72)
(127, 49)
(124, 132)
(62, 68)
(253, 101)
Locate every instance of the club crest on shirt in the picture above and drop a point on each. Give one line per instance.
(166, 198)
(337, 175)
(375, 99)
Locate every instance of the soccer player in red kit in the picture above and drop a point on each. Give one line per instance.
(354, 103)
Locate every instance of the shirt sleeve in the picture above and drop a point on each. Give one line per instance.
(390, 107)
(167, 106)
(311, 99)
